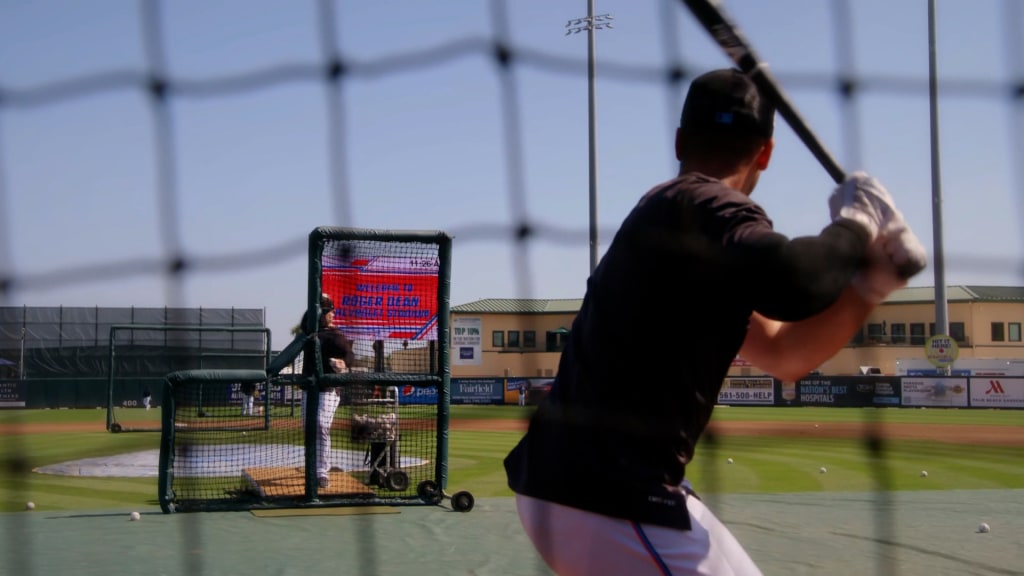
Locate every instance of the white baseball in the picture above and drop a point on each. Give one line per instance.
(135, 516)
(983, 527)
(30, 505)
(924, 473)
(822, 470)
(729, 460)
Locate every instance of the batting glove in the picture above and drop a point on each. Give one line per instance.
(864, 200)
(894, 257)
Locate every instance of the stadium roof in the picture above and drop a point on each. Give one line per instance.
(968, 293)
(915, 295)
(521, 306)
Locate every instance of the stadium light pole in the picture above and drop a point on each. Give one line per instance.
(941, 306)
(591, 24)
(21, 359)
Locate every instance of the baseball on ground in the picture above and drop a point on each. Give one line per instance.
(729, 460)
(135, 516)
(924, 473)
(30, 505)
(983, 527)
(822, 470)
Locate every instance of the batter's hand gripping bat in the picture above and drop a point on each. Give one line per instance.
(713, 18)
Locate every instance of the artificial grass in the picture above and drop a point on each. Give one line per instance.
(989, 417)
(760, 464)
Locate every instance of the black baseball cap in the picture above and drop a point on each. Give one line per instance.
(326, 304)
(727, 100)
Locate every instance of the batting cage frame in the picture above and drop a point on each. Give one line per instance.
(181, 347)
(373, 432)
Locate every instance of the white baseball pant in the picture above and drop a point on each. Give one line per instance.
(329, 401)
(573, 541)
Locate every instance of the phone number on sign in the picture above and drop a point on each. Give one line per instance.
(750, 396)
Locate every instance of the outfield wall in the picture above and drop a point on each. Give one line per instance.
(837, 391)
(877, 391)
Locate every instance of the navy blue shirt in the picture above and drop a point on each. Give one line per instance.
(333, 345)
(665, 313)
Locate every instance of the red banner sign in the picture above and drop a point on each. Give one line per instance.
(385, 297)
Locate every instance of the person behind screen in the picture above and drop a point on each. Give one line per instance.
(248, 395)
(336, 356)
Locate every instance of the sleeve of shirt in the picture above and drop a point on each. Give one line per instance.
(794, 278)
(338, 346)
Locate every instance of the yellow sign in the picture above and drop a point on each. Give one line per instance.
(941, 350)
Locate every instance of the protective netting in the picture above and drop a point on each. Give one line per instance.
(141, 356)
(239, 443)
(519, 228)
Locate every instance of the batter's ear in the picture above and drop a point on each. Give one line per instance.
(764, 156)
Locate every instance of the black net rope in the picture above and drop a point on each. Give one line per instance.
(335, 70)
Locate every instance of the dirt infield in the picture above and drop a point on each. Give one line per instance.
(951, 433)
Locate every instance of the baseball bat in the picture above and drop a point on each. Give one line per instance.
(712, 16)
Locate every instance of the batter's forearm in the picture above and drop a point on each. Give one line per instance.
(789, 350)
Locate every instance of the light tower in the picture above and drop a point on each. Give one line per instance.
(591, 23)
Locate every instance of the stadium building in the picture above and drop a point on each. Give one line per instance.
(521, 338)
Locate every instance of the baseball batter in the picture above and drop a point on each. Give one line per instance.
(694, 276)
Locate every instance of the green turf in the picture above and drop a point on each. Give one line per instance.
(760, 464)
(802, 414)
(21, 454)
(723, 413)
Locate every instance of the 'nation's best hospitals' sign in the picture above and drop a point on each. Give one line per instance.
(384, 296)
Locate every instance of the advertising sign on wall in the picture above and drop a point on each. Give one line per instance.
(747, 391)
(466, 341)
(410, 394)
(478, 391)
(12, 393)
(934, 391)
(847, 391)
(997, 392)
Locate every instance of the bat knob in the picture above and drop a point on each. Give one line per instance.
(911, 268)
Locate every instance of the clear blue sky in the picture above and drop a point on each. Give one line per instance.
(426, 148)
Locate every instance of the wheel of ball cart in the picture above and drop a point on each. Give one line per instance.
(396, 480)
(462, 501)
(428, 492)
(115, 427)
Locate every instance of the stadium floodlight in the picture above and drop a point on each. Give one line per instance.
(575, 26)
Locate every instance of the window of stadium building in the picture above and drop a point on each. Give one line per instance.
(899, 333)
(917, 334)
(1014, 329)
(556, 340)
(956, 330)
(529, 339)
(998, 334)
